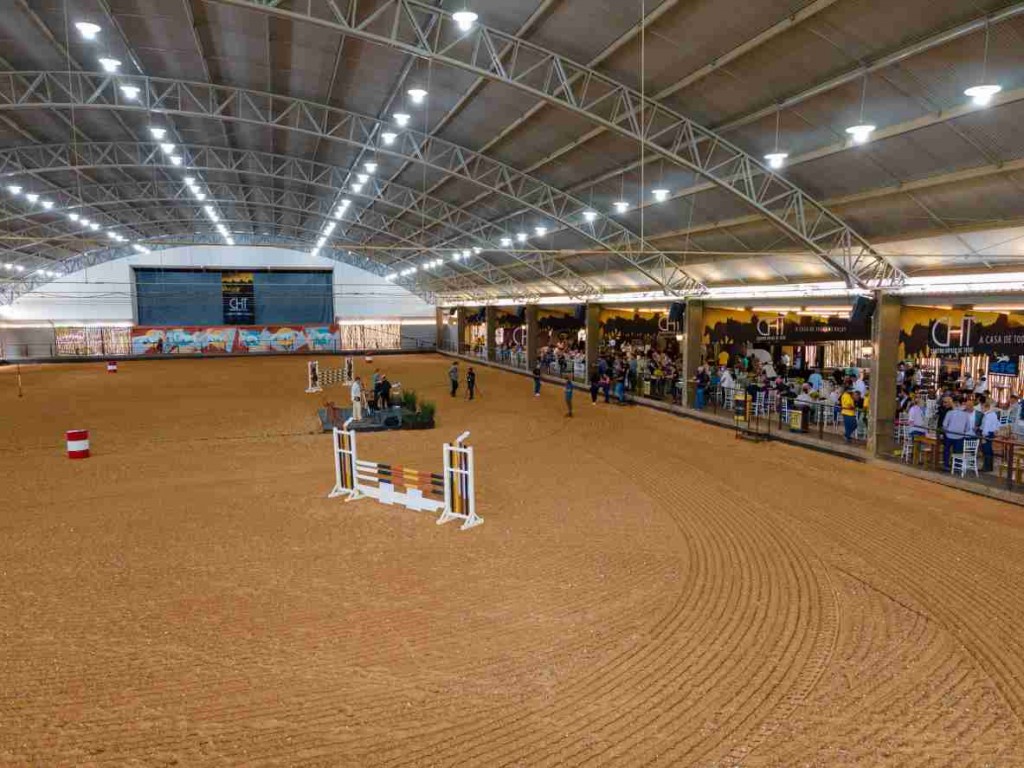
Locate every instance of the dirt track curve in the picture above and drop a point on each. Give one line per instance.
(645, 591)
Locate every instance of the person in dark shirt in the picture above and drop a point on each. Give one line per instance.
(568, 398)
(384, 395)
(536, 378)
(470, 382)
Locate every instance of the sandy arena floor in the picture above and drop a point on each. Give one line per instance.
(645, 590)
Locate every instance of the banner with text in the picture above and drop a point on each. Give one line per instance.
(741, 326)
(190, 340)
(930, 332)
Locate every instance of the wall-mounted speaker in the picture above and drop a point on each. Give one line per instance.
(676, 312)
(863, 310)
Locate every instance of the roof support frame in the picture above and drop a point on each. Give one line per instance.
(594, 95)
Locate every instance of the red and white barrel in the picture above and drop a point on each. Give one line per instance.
(111, 366)
(78, 443)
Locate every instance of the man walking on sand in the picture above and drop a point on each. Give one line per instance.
(453, 377)
(470, 382)
(568, 398)
(536, 378)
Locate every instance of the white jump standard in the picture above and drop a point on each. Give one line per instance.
(318, 379)
(450, 492)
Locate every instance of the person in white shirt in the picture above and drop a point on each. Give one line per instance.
(981, 387)
(860, 385)
(357, 399)
(969, 383)
(804, 398)
(916, 416)
(958, 425)
(989, 428)
(727, 383)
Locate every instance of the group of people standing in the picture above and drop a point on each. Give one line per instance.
(453, 381)
(380, 394)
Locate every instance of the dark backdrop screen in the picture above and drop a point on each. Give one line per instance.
(233, 297)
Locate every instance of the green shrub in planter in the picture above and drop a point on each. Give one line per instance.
(409, 400)
(427, 411)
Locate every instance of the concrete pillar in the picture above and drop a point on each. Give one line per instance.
(441, 318)
(460, 331)
(692, 345)
(593, 335)
(532, 329)
(885, 340)
(491, 321)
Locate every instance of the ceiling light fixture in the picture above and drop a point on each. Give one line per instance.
(541, 231)
(521, 237)
(621, 206)
(370, 167)
(357, 188)
(466, 253)
(465, 19)
(402, 119)
(94, 226)
(660, 195)
(176, 160)
(190, 180)
(110, 65)
(157, 133)
(388, 137)
(32, 197)
(776, 159)
(14, 189)
(329, 228)
(200, 196)
(860, 133)
(589, 216)
(363, 177)
(506, 242)
(982, 95)
(130, 91)
(47, 204)
(87, 29)
(477, 250)
(418, 95)
(74, 216)
(167, 148)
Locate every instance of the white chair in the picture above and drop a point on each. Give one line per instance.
(907, 455)
(761, 404)
(968, 460)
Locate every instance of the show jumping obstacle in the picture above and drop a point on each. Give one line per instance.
(112, 366)
(450, 492)
(319, 379)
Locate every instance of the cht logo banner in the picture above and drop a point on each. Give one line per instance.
(945, 334)
(774, 328)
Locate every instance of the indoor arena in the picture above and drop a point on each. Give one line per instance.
(511, 383)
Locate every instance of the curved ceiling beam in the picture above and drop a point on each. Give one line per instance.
(122, 155)
(9, 292)
(504, 58)
(62, 90)
(456, 281)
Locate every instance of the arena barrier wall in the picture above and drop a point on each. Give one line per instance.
(450, 492)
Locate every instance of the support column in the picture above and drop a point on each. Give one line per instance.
(593, 335)
(441, 315)
(692, 345)
(885, 340)
(460, 331)
(491, 324)
(532, 328)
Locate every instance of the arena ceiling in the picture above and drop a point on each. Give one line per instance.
(252, 121)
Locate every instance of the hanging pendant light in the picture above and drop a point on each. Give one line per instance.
(465, 19)
(982, 95)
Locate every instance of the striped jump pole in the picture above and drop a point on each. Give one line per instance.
(460, 493)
